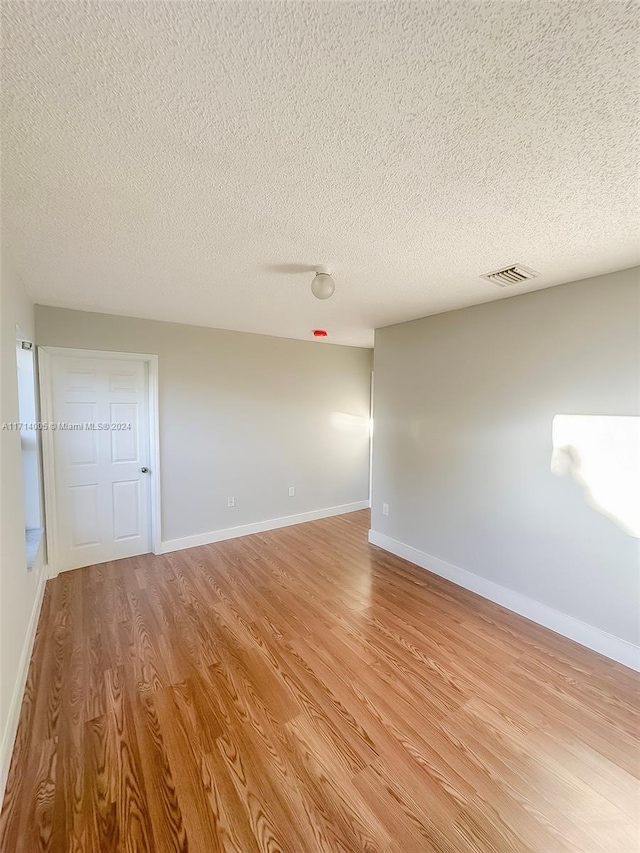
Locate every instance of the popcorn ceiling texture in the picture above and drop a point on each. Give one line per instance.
(185, 161)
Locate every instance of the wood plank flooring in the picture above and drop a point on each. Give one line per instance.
(303, 691)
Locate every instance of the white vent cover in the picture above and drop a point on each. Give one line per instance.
(510, 275)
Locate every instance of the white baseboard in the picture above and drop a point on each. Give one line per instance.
(258, 527)
(11, 727)
(600, 641)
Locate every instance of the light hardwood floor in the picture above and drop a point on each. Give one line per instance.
(303, 691)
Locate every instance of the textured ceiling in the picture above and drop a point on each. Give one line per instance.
(183, 161)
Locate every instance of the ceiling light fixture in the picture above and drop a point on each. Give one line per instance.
(323, 286)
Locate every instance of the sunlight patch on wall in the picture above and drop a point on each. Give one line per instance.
(602, 455)
(350, 423)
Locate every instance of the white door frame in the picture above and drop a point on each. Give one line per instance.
(45, 356)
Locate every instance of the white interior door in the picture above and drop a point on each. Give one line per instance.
(101, 460)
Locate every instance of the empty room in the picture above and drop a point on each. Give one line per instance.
(320, 457)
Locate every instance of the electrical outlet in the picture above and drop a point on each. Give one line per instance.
(231, 501)
(385, 509)
(292, 491)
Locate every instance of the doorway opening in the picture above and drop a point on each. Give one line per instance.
(101, 455)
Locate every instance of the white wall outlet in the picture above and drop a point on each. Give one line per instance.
(231, 501)
(292, 491)
(385, 509)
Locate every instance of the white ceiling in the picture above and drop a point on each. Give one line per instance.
(184, 160)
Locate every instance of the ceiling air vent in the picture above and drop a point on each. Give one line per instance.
(510, 275)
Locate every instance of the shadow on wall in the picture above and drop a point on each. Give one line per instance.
(601, 453)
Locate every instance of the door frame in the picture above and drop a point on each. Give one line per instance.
(45, 356)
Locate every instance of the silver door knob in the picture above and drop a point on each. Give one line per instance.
(144, 470)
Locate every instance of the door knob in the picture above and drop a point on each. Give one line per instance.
(144, 470)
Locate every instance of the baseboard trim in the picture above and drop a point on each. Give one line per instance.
(13, 718)
(258, 527)
(593, 638)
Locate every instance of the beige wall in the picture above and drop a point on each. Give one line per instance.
(463, 409)
(241, 415)
(19, 588)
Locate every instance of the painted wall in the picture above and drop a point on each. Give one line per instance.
(463, 410)
(20, 590)
(241, 415)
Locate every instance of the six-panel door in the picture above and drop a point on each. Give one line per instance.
(101, 441)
